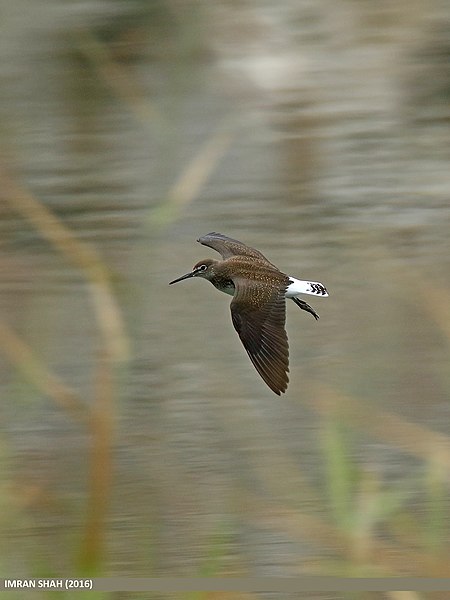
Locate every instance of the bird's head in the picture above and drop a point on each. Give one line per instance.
(203, 268)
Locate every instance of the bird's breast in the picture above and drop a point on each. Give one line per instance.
(224, 285)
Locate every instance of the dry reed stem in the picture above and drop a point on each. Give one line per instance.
(100, 468)
(117, 78)
(408, 437)
(195, 175)
(277, 475)
(23, 357)
(79, 254)
(201, 166)
(114, 347)
(436, 301)
(389, 558)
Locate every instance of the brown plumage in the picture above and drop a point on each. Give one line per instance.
(258, 308)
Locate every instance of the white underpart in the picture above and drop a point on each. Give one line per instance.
(228, 290)
(305, 287)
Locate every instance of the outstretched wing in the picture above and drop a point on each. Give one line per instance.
(259, 315)
(228, 247)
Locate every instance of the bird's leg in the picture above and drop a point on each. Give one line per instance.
(304, 306)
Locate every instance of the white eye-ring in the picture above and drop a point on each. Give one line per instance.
(202, 268)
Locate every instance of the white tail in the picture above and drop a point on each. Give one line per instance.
(314, 288)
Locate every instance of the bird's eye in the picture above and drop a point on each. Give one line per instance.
(202, 268)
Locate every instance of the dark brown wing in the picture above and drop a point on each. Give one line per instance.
(259, 315)
(228, 247)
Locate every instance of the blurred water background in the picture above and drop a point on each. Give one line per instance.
(136, 437)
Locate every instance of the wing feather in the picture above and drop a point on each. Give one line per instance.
(259, 314)
(228, 247)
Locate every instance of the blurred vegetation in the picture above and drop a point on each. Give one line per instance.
(365, 522)
(359, 504)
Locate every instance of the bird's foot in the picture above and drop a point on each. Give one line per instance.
(305, 306)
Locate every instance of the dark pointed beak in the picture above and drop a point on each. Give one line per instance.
(183, 277)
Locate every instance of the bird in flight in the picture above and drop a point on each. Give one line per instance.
(258, 308)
